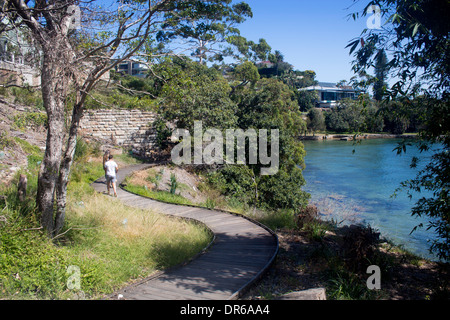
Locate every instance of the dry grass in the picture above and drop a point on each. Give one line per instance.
(128, 224)
(130, 244)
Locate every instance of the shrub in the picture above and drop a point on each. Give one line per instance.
(173, 183)
(359, 246)
(5, 140)
(30, 120)
(163, 133)
(306, 215)
(25, 96)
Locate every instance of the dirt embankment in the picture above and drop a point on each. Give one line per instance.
(13, 155)
(159, 179)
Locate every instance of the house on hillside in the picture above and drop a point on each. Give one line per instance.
(132, 68)
(265, 64)
(16, 60)
(330, 94)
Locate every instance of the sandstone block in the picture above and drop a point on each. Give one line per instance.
(311, 294)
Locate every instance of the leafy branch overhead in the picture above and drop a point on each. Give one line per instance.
(204, 27)
(415, 38)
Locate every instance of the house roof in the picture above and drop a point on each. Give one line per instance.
(328, 86)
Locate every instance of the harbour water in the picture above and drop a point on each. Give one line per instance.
(355, 183)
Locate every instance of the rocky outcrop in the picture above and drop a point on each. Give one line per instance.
(311, 294)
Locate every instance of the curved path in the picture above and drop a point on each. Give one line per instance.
(240, 254)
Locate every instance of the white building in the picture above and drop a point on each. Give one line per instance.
(16, 58)
(330, 94)
(132, 68)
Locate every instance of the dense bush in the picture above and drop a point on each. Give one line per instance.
(23, 96)
(359, 247)
(31, 120)
(307, 215)
(364, 115)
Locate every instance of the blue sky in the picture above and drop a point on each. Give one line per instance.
(312, 35)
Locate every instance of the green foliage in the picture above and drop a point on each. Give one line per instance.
(101, 99)
(156, 179)
(276, 219)
(434, 179)
(5, 140)
(30, 266)
(381, 73)
(163, 133)
(417, 37)
(82, 149)
(271, 105)
(348, 117)
(196, 93)
(362, 115)
(316, 120)
(24, 96)
(344, 285)
(141, 86)
(260, 50)
(27, 147)
(307, 99)
(236, 182)
(246, 73)
(163, 196)
(30, 120)
(207, 25)
(173, 183)
(283, 190)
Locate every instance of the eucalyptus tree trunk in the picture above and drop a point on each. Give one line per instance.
(54, 87)
(66, 164)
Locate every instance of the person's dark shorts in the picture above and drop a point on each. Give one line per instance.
(110, 179)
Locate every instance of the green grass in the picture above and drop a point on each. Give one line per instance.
(163, 196)
(110, 244)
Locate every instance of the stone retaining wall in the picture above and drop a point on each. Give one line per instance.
(128, 128)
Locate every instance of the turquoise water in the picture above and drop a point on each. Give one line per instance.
(357, 187)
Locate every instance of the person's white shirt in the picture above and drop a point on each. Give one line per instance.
(111, 167)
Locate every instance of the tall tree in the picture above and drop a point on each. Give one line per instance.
(75, 57)
(196, 93)
(261, 50)
(381, 74)
(316, 120)
(204, 27)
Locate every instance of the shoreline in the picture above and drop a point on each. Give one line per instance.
(362, 136)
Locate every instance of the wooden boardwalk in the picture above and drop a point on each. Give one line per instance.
(240, 254)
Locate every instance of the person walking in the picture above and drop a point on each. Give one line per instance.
(111, 169)
(105, 159)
